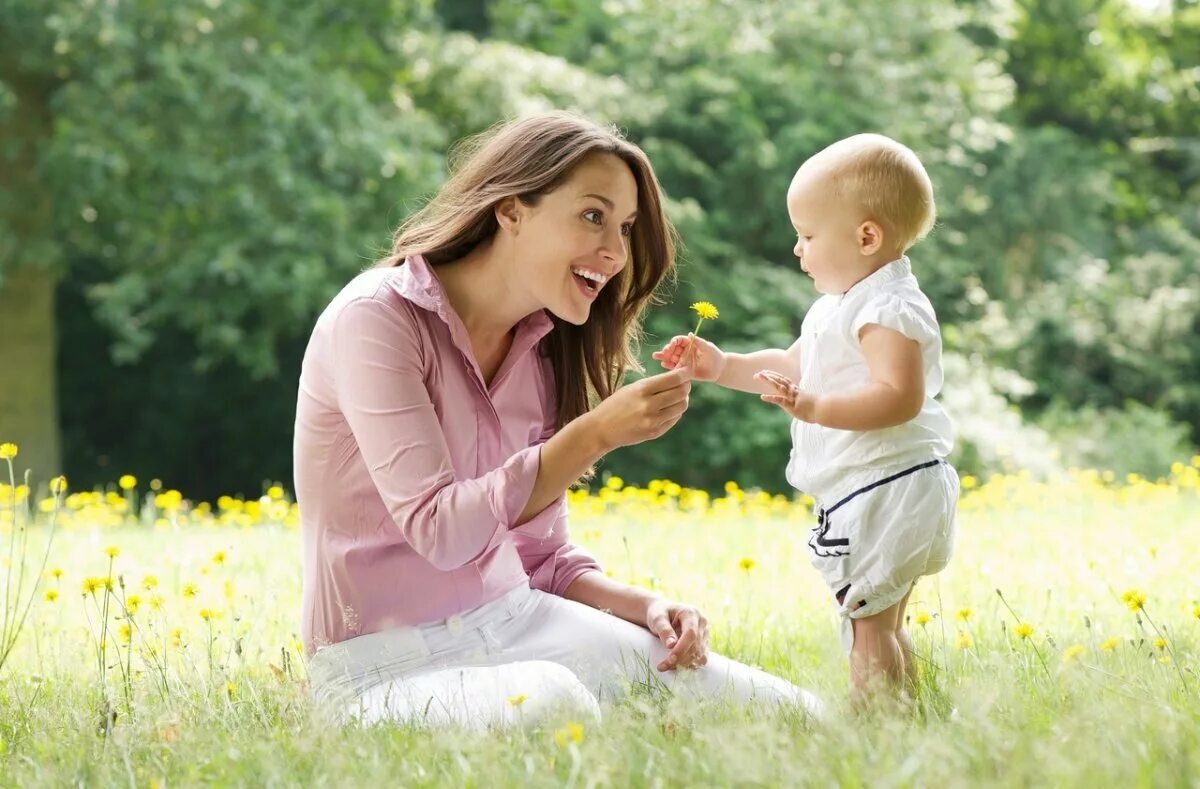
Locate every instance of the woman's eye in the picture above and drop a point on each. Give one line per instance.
(627, 229)
(598, 217)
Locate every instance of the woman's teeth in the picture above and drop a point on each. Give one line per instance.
(593, 280)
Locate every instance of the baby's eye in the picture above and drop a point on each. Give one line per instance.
(599, 218)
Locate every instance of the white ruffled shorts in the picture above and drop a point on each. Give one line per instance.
(881, 531)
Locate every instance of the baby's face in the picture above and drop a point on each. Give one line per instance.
(826, 235)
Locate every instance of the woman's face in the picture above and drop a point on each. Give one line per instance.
(574, 242)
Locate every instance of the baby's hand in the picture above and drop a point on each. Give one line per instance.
(706, 359)
(789, 396)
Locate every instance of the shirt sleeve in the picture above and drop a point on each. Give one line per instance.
(549, 558)
(380, 385)
(913, 320)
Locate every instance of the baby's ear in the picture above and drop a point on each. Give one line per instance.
(870, 237)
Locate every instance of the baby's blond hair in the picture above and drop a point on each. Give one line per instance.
(885, 179)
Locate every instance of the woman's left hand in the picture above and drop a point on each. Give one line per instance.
(682, 629)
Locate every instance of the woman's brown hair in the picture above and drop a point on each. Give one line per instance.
(527, 159)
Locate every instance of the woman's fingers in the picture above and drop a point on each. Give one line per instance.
(688, 628)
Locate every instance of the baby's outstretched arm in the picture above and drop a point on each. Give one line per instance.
(731, 370)
(895, 395)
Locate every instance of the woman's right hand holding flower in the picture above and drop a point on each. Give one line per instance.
(644, 409)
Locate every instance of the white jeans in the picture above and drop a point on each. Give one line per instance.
(515, 661)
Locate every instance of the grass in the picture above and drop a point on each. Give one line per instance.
(1087, 696)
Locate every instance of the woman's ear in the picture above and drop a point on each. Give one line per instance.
(509, 213)
(870, 237)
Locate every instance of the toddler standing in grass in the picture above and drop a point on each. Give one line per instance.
(869, 441)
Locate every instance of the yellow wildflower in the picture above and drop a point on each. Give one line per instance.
(127, 482)
(149, 582)
(218, 557)
(517, 700)
(747, 564)
(706, 310)
(51, 595)
(1110, 644)
(964, 641)
(8, 451)
(112, 551)
(58, 485)
(614, 483)
(126, 632)
(922, 618)
(1024, 630)
(1073, 652)
(1134, 600)
(190, 590)
(132, 603)
(964, 614)
(1160, 643)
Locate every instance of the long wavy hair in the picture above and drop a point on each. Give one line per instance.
(527, 159)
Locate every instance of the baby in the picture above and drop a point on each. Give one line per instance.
(869, 442)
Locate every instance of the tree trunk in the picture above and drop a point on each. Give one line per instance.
(28, 351)
(28, 396)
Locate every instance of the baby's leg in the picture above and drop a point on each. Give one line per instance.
(876, 659)
(906, 646)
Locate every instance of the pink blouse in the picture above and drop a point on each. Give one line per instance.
(410, 472)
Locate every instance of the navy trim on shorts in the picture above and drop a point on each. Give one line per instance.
(823, 514)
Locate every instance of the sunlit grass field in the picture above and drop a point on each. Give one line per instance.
(1060, 648)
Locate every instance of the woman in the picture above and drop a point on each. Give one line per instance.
(444, 410)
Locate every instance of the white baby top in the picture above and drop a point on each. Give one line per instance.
(832, 361)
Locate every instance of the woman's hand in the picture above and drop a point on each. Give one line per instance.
(706, 360)
(642, 410)
(682, 629)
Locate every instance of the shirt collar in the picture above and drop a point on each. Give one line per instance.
(888, 272)
(420, 285)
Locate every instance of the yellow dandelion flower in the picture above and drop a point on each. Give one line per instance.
(1073, 653)
(747, 564)
(963, 641)
(572, 732)
(230, 688)
(218, 557)
(126, 632)
(922, 618)
(1196, 611)
(90, 585)
(57, 573)
(127, 482)
(133, 603)
(964, 614)
(208, 614)
(149, 582)
(1110, 644)
(8, 451)
(706, 310)
(517, 700)
(1134, 600)
(1024, 630)
(190, 590)
(112, 551)
(1160, 643)
(51, 595)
